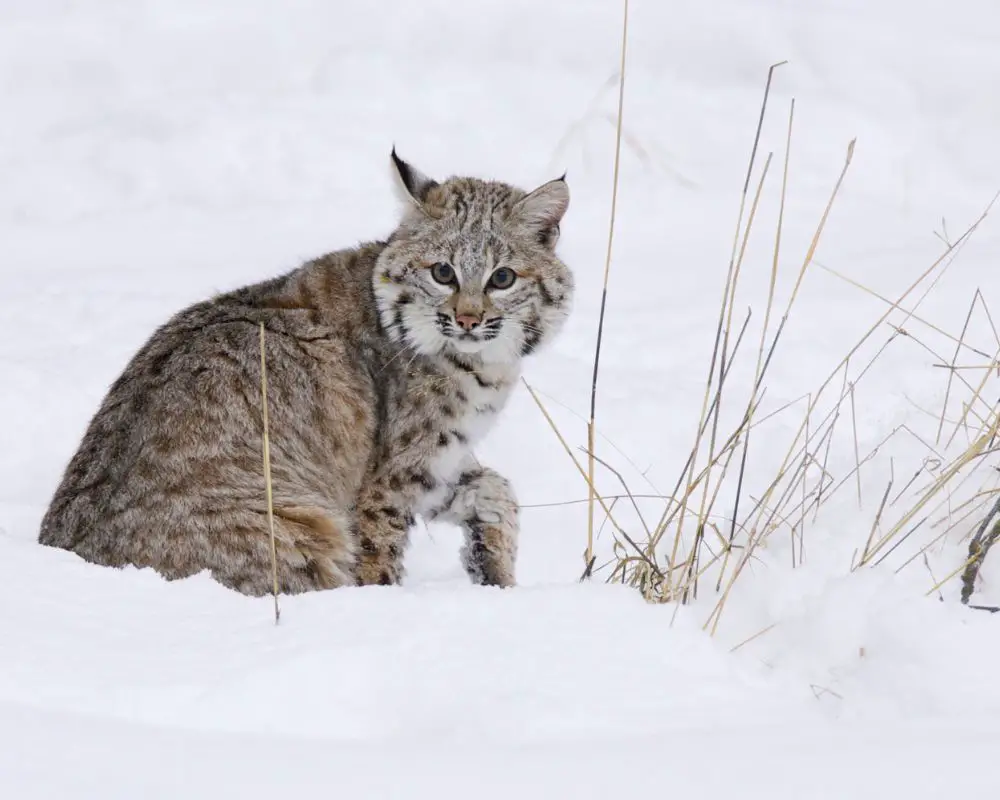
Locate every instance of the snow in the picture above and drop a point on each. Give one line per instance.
(168, 763)
(153, 152)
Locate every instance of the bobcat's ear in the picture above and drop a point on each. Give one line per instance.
(414, 183)
(543, 209)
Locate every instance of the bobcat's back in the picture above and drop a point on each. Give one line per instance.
(169, 473)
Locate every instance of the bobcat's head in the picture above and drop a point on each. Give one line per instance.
(472, 268)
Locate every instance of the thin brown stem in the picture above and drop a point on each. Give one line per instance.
(604, 292)
(267, 476)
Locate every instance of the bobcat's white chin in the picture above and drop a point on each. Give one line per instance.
(500, 350)
(468, 346)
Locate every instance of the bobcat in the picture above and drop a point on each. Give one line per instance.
(385, 365)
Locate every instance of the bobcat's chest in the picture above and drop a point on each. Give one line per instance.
(463, 418)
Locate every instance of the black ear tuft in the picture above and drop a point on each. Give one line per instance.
(416, 184)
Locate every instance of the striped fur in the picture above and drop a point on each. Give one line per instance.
(382, 380)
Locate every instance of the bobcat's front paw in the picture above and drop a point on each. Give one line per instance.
(491, 530)
(489, 554)
(484, 506)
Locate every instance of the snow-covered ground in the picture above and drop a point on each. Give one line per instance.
(153, 152)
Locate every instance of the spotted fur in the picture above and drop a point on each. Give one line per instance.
(382, 379)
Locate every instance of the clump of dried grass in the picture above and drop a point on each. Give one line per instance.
(671, 559)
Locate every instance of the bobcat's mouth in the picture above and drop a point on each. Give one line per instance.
(469, 341)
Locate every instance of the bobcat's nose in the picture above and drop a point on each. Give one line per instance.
(468, 322)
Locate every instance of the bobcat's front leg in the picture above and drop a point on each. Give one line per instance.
(484, 506)
(383, 525)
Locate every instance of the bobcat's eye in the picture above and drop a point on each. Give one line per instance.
(443, 273)
(503, 278)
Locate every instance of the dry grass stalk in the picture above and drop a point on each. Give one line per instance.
(875, 522)
(989, 316)
(828, 432)
(267, 476)
(753, 637)
(589, 558)
(777, 246)
(857, 457)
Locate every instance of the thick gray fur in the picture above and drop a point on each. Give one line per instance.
(381, 379)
